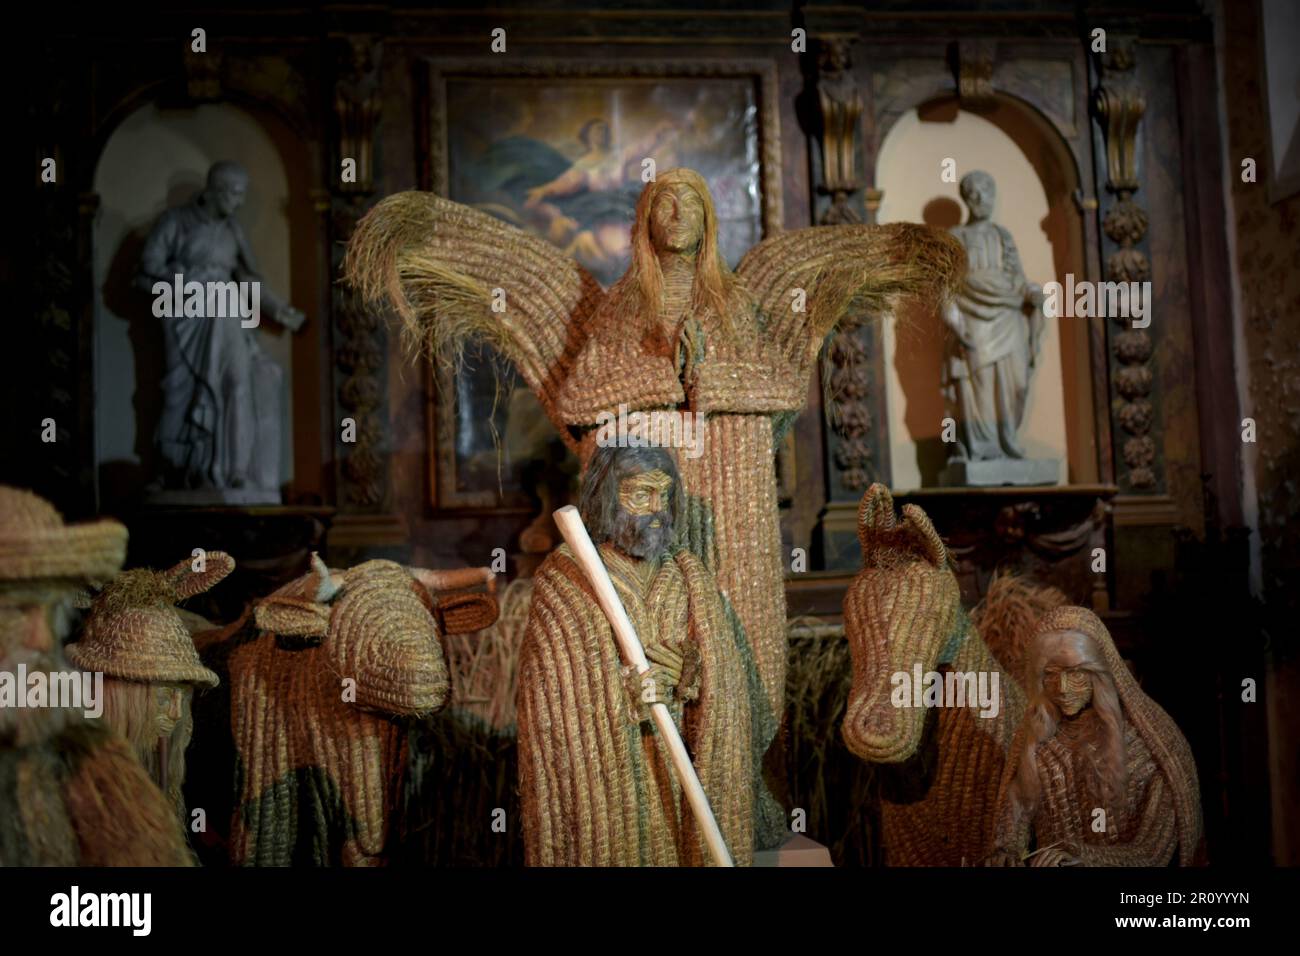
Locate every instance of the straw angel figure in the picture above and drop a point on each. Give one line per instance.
(678, 332)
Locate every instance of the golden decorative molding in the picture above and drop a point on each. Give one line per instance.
(841, 108)
(1119, 105)
(975, 73)
(357, 105)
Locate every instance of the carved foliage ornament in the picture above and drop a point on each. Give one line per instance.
(1119, 105)
(360, 357)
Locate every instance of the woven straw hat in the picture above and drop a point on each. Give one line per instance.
(35, 544)
(134, 632)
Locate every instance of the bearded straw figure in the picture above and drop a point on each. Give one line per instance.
(71, 792)
(135, 637)
(596, 784)
(679, 331)
(323, 684)
(1100, 775)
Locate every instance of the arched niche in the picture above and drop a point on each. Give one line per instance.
(1038, 181)
(156, 158)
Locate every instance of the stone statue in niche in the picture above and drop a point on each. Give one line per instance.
(219, 433)
(996, 330)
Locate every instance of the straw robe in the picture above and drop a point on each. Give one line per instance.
(730, 519)
(80, 798)
(1158, 819)
(453, 274)
(321, 771)
(596, 784)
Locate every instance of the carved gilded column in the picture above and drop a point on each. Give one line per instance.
(840, 103)
(1118, 103)
(852, 371)
(361, 341)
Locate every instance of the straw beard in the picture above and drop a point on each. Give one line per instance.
(130, 709)
(22, 727)
(636, 536)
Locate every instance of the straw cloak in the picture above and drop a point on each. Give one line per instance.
(1159, 816)
(736, 386)
(596, 785)
(749, 355)
(320, 771)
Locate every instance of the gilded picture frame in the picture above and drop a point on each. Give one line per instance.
(560, 148)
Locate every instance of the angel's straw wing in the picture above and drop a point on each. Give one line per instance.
(826, 269)
(453, 274)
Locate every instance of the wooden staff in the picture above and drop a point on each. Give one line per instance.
(570, 524)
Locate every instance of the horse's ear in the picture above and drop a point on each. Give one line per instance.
(293, 617)
(875, 515)
(886, 538)
(926, 540)
(194, 575)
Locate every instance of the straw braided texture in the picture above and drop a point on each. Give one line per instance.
(1007, 617)
(596, 787)
(120, 817)
(584, 352)
(82, 799)
(485, 666)
(436, 263)
(322, 775)
(35, 544)
(904, 609)
(134, 632)
(869, 268)
(1161, 809)
(71, 793)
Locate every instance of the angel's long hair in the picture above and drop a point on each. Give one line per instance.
(640, 292)
(1074, 649)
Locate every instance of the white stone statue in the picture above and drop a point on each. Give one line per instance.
(219, 434)
(996, 324)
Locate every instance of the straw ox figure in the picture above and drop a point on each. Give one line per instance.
(322, 687)
(1099, 774)
(71, 791)
(597, 787)
(135, 636)
(905, 623)
(679, 332)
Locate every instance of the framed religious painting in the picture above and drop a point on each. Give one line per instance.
(562, 150)
(1279, 34)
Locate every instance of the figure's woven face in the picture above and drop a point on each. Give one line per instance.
(676, 219)
(630, 499)
(1069, 662)
(644, 524)
(171, 702)
(1070, 688)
